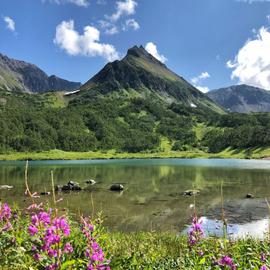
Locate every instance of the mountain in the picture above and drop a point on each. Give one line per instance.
(141, 74)
(21, 76)
(242, 98)
(133, 105)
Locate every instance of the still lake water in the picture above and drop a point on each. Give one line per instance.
(152, 198)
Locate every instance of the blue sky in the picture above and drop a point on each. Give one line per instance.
(211, 43)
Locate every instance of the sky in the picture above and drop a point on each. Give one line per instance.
(211, 43)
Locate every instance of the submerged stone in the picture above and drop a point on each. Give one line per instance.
(117, 187)
(90, 182)
(5, 187)
(191, 192)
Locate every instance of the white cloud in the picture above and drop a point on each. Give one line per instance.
(87, 44)
(203, 89)
(252, 63)
(152, 49)
(131, 23)
(81, 3)
(126, 7)
(10, 23)
(253, 1)
(202, 76)
(268, 18)
(197, 80)
(112, 31)
(109, 28)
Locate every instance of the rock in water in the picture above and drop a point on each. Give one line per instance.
(90, 182)
(44, 193)
(249, 196)
(117, 187)
(191, 192)
(70, 186)
(6, 187)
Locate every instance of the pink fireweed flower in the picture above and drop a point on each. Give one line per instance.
(44, 217)
(49, 237)
(35, 206)
(7, 226)
(263, 257)
(93, 251)
(264, 267)
(195, 232)
(37, 257)
(68, 248)
(52, 266)
(62, 224)
(227, 261)
(32, 230)
(5, 212)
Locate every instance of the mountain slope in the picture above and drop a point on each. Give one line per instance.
(242, 98)
(21, 76)
(141, 74)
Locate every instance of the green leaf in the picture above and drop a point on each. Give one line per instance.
(66, 264)
(202, 261)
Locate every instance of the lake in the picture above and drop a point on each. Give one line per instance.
(152, 199)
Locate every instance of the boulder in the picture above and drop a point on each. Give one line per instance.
(5, 187)
(44, 193)
(249, 196)
(90, 182)
(58, 188)
(191, 192)
(117, 187)
(70, 186)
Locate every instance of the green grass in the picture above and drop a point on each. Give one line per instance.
(257, 153)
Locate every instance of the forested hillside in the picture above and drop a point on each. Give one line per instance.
(133, 105)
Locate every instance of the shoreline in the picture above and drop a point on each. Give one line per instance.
(258, 153)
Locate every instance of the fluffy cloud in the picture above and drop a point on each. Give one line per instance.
(112, 30)
(202, 76)
(152, 49)
(10, 23)
(126, 7)
(197, 80)
(253, 1)
(131, 23)
(203, 89)
(87, 44)
(81, 3)
(252, 63)
(111, 23)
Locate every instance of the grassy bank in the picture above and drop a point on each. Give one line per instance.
(256, 153)
(42, 238)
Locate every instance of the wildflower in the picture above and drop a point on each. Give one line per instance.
(68, 248)
(32, 230)
(44, 217)
(5, 212)
(196, 231)
(201, 253)
(49, 237)
(52, 253)
(93, 251)
(227, 261)
(7, 226)
(263, 257)
(37, 256)
(264, 267)
(35, 206)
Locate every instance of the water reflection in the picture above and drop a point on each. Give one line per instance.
(256, 229)
(152, 198)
